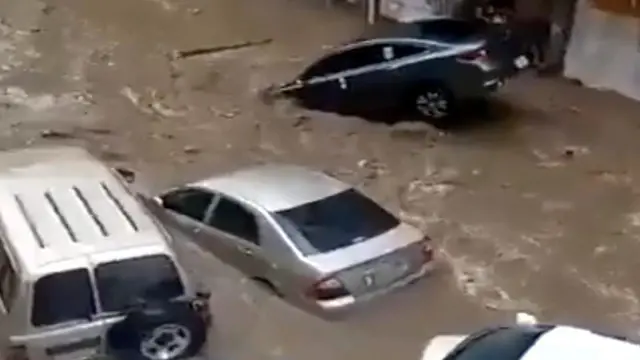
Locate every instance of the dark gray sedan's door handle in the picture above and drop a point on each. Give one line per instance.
(197, 230)
(392, 67)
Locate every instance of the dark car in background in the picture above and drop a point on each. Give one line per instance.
(427, 67)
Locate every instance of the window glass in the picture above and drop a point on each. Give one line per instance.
(347, 60)
(8, 280)
(233, 218)
(365, 56)
(189, 202)
(401, 51)
(504, 343)
(122, 284)
(451, 30)
(329, 65)
(62, 297)
(8, 286)
(338, 221)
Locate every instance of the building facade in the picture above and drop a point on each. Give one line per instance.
(412, 10)
(604, 49)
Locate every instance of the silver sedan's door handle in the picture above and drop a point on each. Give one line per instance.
(197, 230)
(245, 250)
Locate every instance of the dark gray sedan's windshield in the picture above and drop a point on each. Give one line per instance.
(503, 343)
(334, 222)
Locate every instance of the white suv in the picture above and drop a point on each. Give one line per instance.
(78, 252)
(528, 340)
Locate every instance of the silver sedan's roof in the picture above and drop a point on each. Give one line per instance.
(276, 187)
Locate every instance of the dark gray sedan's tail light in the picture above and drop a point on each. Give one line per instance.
(475, 55)
(328, 289)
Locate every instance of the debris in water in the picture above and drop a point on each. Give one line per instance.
(98, 131)
(48, 9)
(56, 134)
(572, 151)
(190, 149)
(135, 99)
(225, 114)
(182, 54)
(165, 111)
(301, 119)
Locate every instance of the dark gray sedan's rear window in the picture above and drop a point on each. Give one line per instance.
(62, 297)
(337, 221)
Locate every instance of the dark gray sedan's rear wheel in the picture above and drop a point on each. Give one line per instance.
(434, 103)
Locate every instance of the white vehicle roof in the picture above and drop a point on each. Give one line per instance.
(566, 342)
(61, 208)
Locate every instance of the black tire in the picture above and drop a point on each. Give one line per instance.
(174, 329)
(433, 103)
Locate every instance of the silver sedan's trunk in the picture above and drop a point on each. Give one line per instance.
(375, 264)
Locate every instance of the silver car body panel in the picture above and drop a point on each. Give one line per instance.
(394, 257)
(275, 187)
(362, 252)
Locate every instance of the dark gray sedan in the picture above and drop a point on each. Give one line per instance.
(426, 67)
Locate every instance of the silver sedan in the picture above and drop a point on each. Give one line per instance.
(301, 233)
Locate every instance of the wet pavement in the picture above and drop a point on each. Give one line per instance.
(534, 203)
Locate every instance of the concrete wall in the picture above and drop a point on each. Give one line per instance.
(412, 10)
(604, 51)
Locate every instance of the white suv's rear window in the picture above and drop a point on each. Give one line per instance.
(68, 296)
(63, 297)
(122, 284)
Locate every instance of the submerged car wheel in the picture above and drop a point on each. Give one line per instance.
(433, 103)
(168, 332)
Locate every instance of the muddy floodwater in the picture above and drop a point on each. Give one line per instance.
(534, 203)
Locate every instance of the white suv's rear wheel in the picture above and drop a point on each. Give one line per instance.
(169, 331)
(167, 341)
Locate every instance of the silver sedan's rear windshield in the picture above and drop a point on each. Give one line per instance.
(337, 221)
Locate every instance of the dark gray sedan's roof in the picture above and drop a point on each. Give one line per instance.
(275, 187)
(443, 29)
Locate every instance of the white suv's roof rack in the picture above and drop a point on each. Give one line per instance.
(60, 204)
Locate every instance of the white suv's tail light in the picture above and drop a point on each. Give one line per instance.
(328, 289)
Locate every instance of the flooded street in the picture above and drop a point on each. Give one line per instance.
(535, 206)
